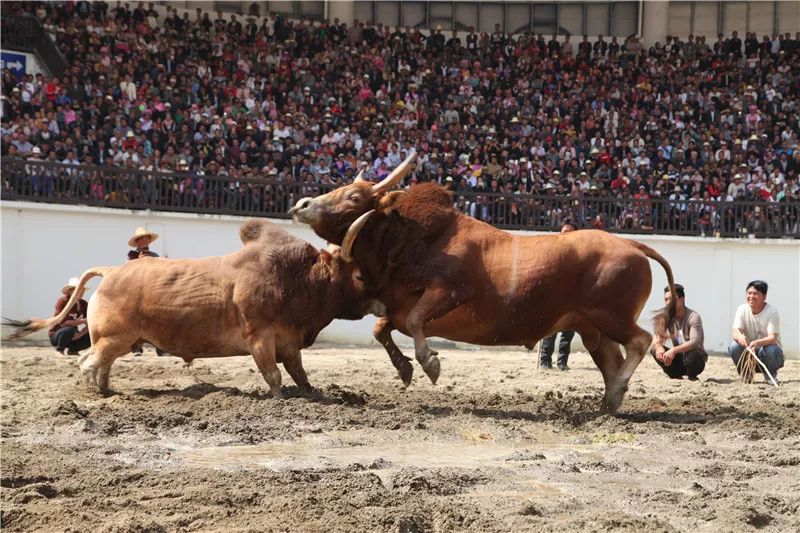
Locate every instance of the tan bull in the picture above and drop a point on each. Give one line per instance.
(269, 299)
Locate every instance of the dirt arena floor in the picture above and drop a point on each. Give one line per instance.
(496, 446)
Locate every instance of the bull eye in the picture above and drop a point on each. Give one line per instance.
(354, 198)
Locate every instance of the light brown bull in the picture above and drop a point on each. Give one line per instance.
(442, 273)
(269, 299)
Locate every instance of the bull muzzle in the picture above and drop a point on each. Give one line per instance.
(301, 211)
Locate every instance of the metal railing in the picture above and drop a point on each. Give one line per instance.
(115, 187)
(25, 33)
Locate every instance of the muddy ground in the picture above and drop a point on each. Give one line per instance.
(495, 446)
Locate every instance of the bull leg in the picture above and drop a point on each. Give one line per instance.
(434, 303)
(293, 363)
(96, 366)
(635, 350)
(608, 358)
(383, 334)
(262, 346)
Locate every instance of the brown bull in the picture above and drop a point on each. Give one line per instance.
(269, 299)
(441, 273)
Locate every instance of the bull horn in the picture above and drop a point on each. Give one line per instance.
(360, 176)
(396, 176)
(352, 233)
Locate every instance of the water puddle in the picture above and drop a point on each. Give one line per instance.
(379, 452)
(326, 452)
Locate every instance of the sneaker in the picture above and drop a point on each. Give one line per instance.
(563, 368)
(137, 354)
(546, 365)
(160, 352)
(73, 352)
(60, 351)
(693, 378)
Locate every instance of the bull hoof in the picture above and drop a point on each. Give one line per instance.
(277, 394)
(611, 403)
(406, 372)
(432, 368)
(89, 377)
(307, 391)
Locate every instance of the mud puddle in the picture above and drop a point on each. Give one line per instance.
(378, 450)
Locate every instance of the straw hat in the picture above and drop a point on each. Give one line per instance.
(141, 232)
(71, 284)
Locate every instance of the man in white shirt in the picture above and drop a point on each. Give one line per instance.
(757, 326)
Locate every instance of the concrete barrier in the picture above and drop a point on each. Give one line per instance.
(45, 244)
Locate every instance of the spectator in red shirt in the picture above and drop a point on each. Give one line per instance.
(51, 90)
(67, 335)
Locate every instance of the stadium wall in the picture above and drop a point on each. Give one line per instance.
(45, 244)
(654, 19)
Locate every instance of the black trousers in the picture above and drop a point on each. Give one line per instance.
(62, 339)
(548, 345)
(689, 364)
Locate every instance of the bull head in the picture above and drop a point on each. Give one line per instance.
(331, 215)
(354, 300)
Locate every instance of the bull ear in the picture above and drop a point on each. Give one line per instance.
(389, 201)
(326, 257)
(396, 176)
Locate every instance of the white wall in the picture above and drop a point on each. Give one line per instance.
(44, 244)
(654, 22)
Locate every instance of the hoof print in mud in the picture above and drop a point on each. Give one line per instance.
(757, 519)
(531, 510)
(413, 524)
(439, 482)
(336, 394)
(69, 408)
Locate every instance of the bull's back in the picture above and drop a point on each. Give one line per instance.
(182, 306)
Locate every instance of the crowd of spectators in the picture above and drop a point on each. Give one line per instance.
(687, 121)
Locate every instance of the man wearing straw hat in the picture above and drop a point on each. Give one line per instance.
(756, 328)
(66, 335)
(141, 240)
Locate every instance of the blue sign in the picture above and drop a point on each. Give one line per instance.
(16, 62)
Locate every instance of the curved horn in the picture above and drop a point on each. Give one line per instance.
(397, 174)
(360, 176)
(352, 233)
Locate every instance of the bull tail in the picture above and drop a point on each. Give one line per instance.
(23, 328)
(664, 317)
